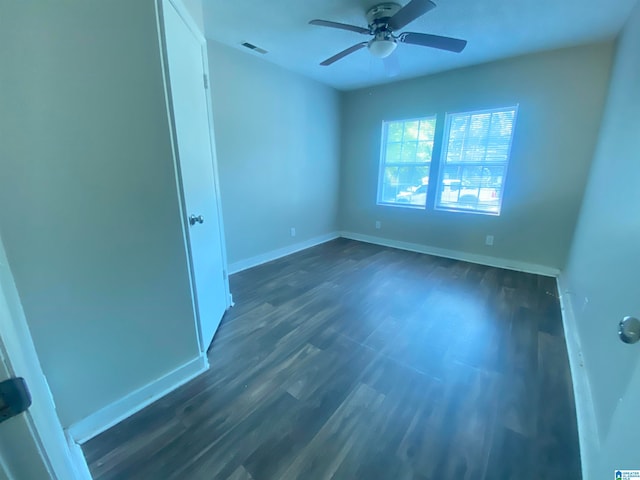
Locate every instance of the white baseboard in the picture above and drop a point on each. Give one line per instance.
(240, 265)
(456, 255)
(105, 418)
(586, 417)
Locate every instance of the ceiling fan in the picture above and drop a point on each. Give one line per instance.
(383, 20)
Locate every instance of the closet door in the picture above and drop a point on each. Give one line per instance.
(189, 98)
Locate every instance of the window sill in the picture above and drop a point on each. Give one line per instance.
(401, 205)
(466, 210)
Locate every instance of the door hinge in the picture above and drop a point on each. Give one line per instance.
(206, 81)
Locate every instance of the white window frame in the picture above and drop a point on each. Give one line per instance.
(443, 162)
(383, 163)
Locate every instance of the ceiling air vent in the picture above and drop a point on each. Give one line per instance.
(251, 46)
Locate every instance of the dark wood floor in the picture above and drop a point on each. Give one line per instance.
(353, 361)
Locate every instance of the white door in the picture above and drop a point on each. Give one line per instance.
(32, 444)
(20, 455)
(189, 97)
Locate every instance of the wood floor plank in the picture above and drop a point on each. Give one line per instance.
(556, 441)
(519, 404)
(354, 361)
(511, 456)
(339, 435)
(241, 474)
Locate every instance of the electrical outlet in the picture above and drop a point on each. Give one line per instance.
(489, 240)
(293, 231)
(378, 224)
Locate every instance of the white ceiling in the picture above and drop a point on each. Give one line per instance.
(494, 29)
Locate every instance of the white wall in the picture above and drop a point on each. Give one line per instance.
(277, 140)
(89, 208)
(601, 277)
(561, 96)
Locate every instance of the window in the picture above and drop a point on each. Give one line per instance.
(475, 155)
(405, 161)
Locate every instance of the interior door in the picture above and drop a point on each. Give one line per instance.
(20, 454)
(32, 443)
(189, 97)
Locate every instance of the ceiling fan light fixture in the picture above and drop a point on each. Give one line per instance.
(383, 47)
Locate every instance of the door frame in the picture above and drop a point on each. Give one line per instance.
(63, 456)
(186, 17)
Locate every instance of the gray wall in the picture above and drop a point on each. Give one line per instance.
(602, 272)
(277, 141)
(88, 201)
(561, 96)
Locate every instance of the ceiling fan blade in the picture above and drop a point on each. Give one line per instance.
(408, 13)
(433, 41)
(341, 26)
(344, 53)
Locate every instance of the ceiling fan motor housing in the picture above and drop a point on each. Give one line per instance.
(378, 16)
